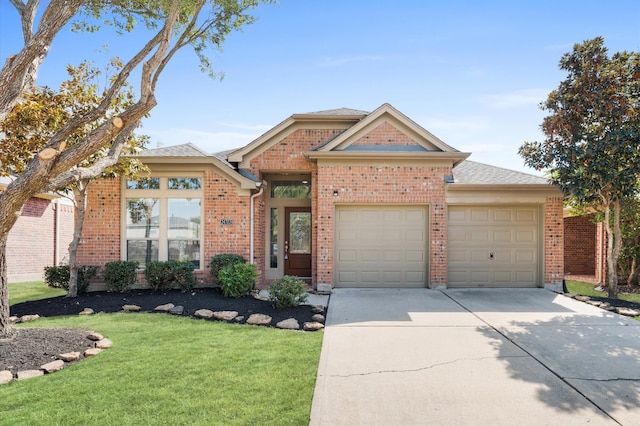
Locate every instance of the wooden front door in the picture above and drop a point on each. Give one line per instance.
(297, 242)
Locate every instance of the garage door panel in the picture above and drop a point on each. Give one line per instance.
(493, 246)
(390, 249)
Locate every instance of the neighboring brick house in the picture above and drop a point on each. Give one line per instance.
(40, 236)
(342, 198)
(584, 248)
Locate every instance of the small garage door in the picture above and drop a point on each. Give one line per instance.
(493, 246)
(381, 246)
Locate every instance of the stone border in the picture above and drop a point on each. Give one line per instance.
(100, 343)
(627, 312)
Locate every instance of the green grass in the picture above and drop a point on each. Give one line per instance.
(587, 289)
(31, 290)
(166, 370)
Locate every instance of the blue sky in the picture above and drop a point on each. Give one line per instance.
(471, 72)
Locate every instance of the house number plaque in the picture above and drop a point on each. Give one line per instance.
(226, 221)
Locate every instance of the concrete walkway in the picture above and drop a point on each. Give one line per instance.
(475, 357)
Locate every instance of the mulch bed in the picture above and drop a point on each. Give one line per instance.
(31, 348)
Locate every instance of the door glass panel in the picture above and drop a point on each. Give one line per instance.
(273, 244)
(300, 232)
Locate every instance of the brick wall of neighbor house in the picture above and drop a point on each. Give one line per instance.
(553, 241)
(100, 242)
(393, 184)
(36, 240)
(579, 245)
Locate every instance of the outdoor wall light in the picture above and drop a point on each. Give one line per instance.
(335, 193)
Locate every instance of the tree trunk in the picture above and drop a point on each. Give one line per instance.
(614, 246)
(6, 330)
(80, 201)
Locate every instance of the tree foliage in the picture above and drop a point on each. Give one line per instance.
(592, 136)
(172, 25)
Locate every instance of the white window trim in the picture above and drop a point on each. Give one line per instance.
(162, 194)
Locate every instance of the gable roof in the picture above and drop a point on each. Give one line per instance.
(387, 112)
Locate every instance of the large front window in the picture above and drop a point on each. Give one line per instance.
(163, 220)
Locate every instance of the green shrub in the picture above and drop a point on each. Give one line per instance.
(121, 275)
(162, 276)
(158, 276)
(220, 261)
(238, 279)
(59, 276)
(288, 292)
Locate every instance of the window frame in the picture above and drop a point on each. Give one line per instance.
(163, 194)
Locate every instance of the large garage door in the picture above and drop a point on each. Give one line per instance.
(493, 246)
(381, 246)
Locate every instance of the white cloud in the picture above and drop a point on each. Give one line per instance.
(517, 98)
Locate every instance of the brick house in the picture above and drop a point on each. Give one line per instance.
(341, 198)
(40, 237)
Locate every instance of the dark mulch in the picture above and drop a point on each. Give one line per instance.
(31, 348)
(202, 298)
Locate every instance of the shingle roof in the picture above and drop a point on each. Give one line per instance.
(340, 111)
(184, 150)
(470, 172)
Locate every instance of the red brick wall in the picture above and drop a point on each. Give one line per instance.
(385, 134)
(31, 244)
(100, 242)
(287, 155)
(221, 201)
(579, 245)
(400, 183)
(553, 241)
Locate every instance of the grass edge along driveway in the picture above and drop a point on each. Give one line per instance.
(170, 370)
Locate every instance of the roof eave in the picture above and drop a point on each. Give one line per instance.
(457, 157)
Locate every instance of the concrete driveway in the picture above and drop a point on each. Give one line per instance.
(475, 357)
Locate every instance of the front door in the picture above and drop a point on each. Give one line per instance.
(297, 242)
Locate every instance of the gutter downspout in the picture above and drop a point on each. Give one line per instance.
(251, 231)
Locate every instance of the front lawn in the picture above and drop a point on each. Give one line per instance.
(587, 289)
(171, 370)
(31, 290)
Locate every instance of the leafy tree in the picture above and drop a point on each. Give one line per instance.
(172, 25)
(33, 121)
(592, 134)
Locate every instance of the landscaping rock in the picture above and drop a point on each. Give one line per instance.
(27, 318)
(594, 303)
(69, 356)
(131, 308)
(258, 296)
(13, 319)
(92, 351)
(5, 377)
(239, 318)
(177, 310)
(582, 298)
(53, 366)
(164, 308)
(259, 319)
(28, 374)
(312, 326)
(317, 309)
(203, 313)
(289, 324)
(628, 312)
(225, 315)
(95, 336)
(104, 344)
(318, 318)
(87, 311)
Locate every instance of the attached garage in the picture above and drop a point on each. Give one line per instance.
(381, 246)
(494, 246)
